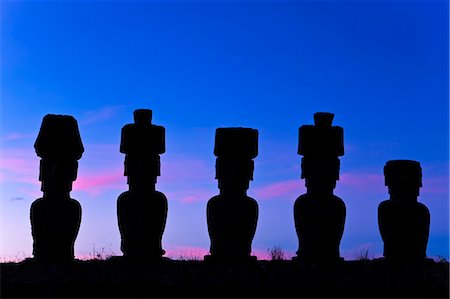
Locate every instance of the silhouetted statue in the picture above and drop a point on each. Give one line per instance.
(56, 218)
(319, 215)
(142, 211)
(232, 215)
(404, 223)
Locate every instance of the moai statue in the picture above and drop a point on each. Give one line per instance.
(56, 218)
(232, 215)
(404, 223)
(319, 215)
(142, 211)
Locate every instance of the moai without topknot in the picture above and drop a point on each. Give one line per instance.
(404, 223)
(232, 215)
(142, 211)
(56, 218)
(319, 215)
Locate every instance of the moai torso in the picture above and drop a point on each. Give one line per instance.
(232, 224)
(142, 219)
(142, 211)
(404, 223)
(232, 215)
(320, 215)
(55, 224)
(320, 224)
(56, 218)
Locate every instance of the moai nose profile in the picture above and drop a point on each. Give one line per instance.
(55, 218)
(232, 216)
(404, 223)
(142, 211)
(320, 215)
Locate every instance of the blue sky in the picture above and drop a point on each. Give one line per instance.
(380, 66)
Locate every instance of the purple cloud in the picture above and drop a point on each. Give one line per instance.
(98, 182)
(286, 189)
(102, 114)
(15, 136)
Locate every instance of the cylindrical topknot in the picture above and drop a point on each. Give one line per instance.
(142, 116)
(403, 172)
(142, 137)
(59, 137)
(323, 119)
(236, 142)
(321, 139)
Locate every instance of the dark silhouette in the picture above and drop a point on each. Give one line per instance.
(319, 215)
(404, 223)
(196, 279)
(142, 211)
(232, 215)
(56, 218)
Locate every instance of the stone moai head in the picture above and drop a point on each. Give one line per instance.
(403, 178)
(59, 146)
(321, 145)
(235, 149)
(142, 143)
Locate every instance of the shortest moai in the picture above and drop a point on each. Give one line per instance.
(320, 215)
(142, 211)
(232, 216)
(404, 223)
(55, 218)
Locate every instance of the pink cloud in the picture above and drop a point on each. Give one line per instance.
(351, 182)
(186, 168)
(287, 189)
(291, 189)
(196, 198)
(364, 182)
(19, 165)
(361, 182)
(101, 181)
(191, 196)
(438, 185)
(183, 177)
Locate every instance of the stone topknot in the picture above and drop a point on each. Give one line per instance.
(142, 137)
(236, 143)
(403, 172)
(321, 139)
(59, 137)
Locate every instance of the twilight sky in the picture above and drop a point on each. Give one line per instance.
(380, 66)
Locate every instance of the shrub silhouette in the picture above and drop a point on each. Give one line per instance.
(276, 253)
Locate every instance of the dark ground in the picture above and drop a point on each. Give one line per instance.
(115, 278)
